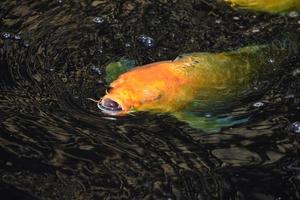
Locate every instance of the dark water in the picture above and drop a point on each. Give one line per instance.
(55, 144)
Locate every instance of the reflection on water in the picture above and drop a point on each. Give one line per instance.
(55, 144)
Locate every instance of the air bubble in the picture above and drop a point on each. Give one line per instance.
(96, 70)
(296, 72)
(208, 115)
(271, 60)
(296, 127)
(218, 21)
(290, 96)
(293, 14)
(26, 43)
(258, 104)
(5, 35)
(127, 45)
(148, 42)
(100, 50)
(255, 30)
(98, 20)
(17, 37)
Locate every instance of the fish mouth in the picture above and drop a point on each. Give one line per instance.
(109, 106)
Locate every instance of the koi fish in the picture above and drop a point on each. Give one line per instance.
(270, 6)
(191, 82)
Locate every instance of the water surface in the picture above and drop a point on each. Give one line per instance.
(55, 144)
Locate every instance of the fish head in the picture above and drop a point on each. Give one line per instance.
(142, 89)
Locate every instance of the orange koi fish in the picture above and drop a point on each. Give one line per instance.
(188, 83)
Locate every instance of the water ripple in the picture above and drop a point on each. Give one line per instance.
(55, 144)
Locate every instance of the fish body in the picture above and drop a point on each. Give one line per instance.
(270, 6)
(185, 86)
(171, 86)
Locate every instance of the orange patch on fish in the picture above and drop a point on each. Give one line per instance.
(158, 86)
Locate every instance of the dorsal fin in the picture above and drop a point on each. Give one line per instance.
(114, 69)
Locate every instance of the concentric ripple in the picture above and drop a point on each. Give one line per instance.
(56, 144)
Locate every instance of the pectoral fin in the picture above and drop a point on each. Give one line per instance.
(208, 124)
(114, 69)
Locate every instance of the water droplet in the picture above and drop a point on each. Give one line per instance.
(258, 104)
(296, 127)
(293, 14)
(5, 35)
(99, 20)
(60, 1)
(236, 18)
(8, 164)
(148, 42)
(296, 72)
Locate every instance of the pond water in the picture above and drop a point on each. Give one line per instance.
(56, 144)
